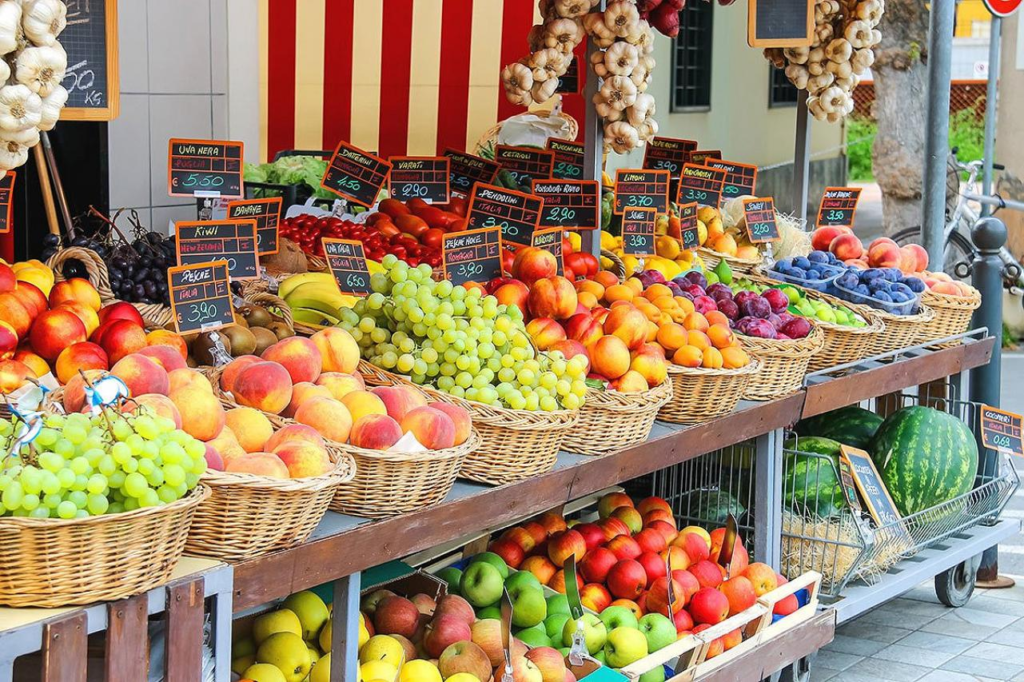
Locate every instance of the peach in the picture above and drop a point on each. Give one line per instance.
(545, 332)
(295, 432)
(165, 337)
(13, 375)
(340, 384)
(362, 403)
(920, 256)
(460, 417)
(584, 328)
(532, 263)
(328, 416)
(55, 330)
(553, 297)
(84, 313)
(822, 238)
(299, 355)
(884, 253)
(266, 386)
(587, 299)
(649, 362)
(627, 323)
(34, 362)
(251, 427)
(160, 405)
(338, 350)
(740, 593)
(214, 460)
(202, 415)
(231, 370)
(74, 390)
(570, 349)
(121, 338)
(949, 288)
(515, 293)
(375, 432)
(303, 391)
(14, 313)
(433, 428)
(8, 278)
(75, 289)
(188, 378)
(142, 375)
(846, 246)
(303, 459)
(226, 445)
(82, 355)
(609, 357)
(258, 464)
(40, 276)
(167, 357)
(630, 382)
(761, 577)
(8, 341)
(121, 311)
(33, 298)
(397, 400)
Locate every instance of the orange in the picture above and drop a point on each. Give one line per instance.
(695, 321)
(717, 317)
(734, 357)
(606, 278)
(720, 336)
(685, 304)
(698, 340)
(672, 336)
(635, 284)
(587, 298)
(619, 292)
(657, 291)
(712, 358)
(688, 356)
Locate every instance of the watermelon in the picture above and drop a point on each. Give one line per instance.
(925, 457)
(712, 506)
(850, 425)
(810, 484)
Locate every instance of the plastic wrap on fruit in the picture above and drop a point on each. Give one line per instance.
(105, 392)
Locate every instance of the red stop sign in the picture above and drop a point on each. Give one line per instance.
(1002, 8)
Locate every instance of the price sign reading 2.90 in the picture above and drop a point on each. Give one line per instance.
(569, 204)
(568, 159)
(638, 231)
(473, 256)
(517, 214)
(200, 296)
(641, 189)
(347, 262)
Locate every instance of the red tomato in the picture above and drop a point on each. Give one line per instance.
(392, 208)
(459, 226)
(411, 224)
(566, 246)
(458, 206)
(388, 229)
(434, 217)
(417, 205)
(582, 264)
(432, 237)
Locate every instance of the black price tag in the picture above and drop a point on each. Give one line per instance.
(517, 214)
(569, 204)
(473, 256)
(870, 486)
(666, 153)
(638, 231)
(1001, 430)
(838, 206)
(641, 189)
(551, 240)
(205, 241)
(701, 184)
(417, 177)
(525, 163)
(699, 157)
(740, 178)
(466, 170)
(356, 175)
(6, 201)
(200, 297)
(347, 262)
(267, 214)
(197, 167)
(760, 217)
(569, 82)
(688, 236)
(568, 158)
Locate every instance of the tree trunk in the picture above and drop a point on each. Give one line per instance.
(901, 78)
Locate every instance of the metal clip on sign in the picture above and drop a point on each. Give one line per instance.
(220, 354)
(578, 650)
(506, 634)
(26, 409)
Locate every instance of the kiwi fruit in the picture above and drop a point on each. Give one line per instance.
(281, 330)
(256, 316)
(240, 318)
(243, 342)
(202, 347)
(264, 339)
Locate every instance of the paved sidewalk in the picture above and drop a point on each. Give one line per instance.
(916, 638)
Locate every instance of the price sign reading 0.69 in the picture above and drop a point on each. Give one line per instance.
(204, 167)
(1001, 430)
(641, 189)
(638, 231)
(701, 184)
(347, 262)
(838, 206)
(200, 296)
(356, 175)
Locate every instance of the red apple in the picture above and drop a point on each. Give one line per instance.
(595, 597)
(667, 530)
(740, 593)
(592, 534)
(687, 581)
(612, 501)
(508, 550)
(650, 540)
(657, 596)
(649, 504)
(708, 574)
(709, 606)
(565, 543)
(762, 577)
(596, 563)
(654, 566)
(444, 631)
(626, 579)
(624, 547)
(613, 527)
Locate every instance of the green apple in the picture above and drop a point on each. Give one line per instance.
(534, 636)
(492, 559)
(594, 632)
(655, 675)
(492, 611)
(600, 657)
(564, 650)
(525, 578)
(555, 623)
(618, 617)
(558, 603)
(624, 646)
(528, 605)
(481, 584)
(658, 629)
(452, 576)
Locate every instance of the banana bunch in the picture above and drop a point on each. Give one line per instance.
(314, 298)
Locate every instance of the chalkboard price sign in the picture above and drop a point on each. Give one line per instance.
(780, 23)
(420, 178)
(569, 204)
(870, 486)
(665, 153)
(200, 297)
(525, 163)
(638, 231)
(701, 184)
(700, 157)
(355, 175)
(467, 170)
(688, 235)
(568, 158)
(517, 214)
(204, 167)
(740, 178)
(347, 262)
(1001, 430)
(569, 82)
(231, 240)
(551, 240)
(6, 200)
(267, 214)
(91, 79)
(473, 256)
(641, 189)
(760, 217)
(838, 206)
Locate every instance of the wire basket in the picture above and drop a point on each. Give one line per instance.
(783, 363)
(701, 395)
(611, 421)
(952, 315)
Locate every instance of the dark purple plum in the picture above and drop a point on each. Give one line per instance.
(797, 328)
(695, 290)
(777, 299)
(655, 276)
(728, 307)
(755, 307)
(742, 296)
(719, 290)
(704, 304)
(698, 278)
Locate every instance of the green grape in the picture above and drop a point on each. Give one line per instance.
(155, 478)
(146, 427)
(116, 480)
(31, 480)
(166, 494)
(548, 404)
(135, 484)
(40, 513)
(191, 480)
(149, 498)
(46, 437)
(131, 504)
(29, 502)
(49, 484)
(405, 363)
(172, 453)
(78, 498)
(97, 484)
(52, 501)
(64, 448)
(173, 475)
(74, 434)
(51, 461)
(67, 510)
(66, 478)
(97, 505)
(115, 508)
(80, 465)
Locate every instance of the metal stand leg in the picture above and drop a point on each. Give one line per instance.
(220, 615)
(801, 158)
(768, 498)
(345, 628)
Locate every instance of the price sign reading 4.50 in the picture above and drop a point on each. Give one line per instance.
(266, 213)
(355, 175)
(568, 158)
(638, 231)
(701, 184)
(347, 262)
(569, 204)
(688, 235)
(551, 240)
(473, 256)
(838, 206)
(467, 170)
(200, 297)
(1001, 430)
(760, 217)
(204, 168)
(641, 189)
(418, 177)
(517, 214)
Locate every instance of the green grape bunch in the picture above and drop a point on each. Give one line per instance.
(84, 465)
(459, 341)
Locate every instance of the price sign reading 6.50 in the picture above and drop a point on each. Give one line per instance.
(347, 262)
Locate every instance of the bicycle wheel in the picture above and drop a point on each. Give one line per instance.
(958, 248)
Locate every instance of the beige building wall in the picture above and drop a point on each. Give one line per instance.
(1010, 123)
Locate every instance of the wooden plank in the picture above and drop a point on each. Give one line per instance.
(127, 655)
(64, 649)
(184, 628)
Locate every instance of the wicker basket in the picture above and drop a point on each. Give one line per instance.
(620, 267)
(390, 483)
(701, 395)
(901, 331)
(952, 315)
(154, 314)
(611, 421)
(740, 266)
(515, 444)
(783, 363)
(490, 136)
(47, 563)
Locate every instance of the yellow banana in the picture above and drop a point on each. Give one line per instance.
(313, 317)
(291, 283)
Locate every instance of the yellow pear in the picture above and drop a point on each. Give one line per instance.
(419, 671)
(325, 638)
(240, 663)
(383, 648)
(281, 620)
(311, 611)
(288, 652)
(263, 672)
(378, 670)
(364, 634)
(321, 671)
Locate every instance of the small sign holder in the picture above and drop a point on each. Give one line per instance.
(838, 206)
(200, 297)
(869, 484)
(347, 262)
(516, 213)
(701, 184)
(689, 235)
(550, 240)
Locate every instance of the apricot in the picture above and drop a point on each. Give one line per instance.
(748, 252)
(734, 357)
(720, 336)
(251, 427)
(142, 375)
(716, 317)
(328, 416)
(295, 432)
(202, 415)
(82, 355)
(656, 291)
(635, 284)
(55, 330)
(587, 299)
(375, 432)
(341, 384)
(157, 404)
(226, 445)
(338, 350)
(591, 287)
(618, 292)
(299, 355)
(459, 416)
(188, 378)
(698, 340)
(433, 428)
(695, 322)
(606, 278)
(671, 336)
(628, 324)
(362, 403)
(258, 464)
(303, 458)
(609, 357)
(232, 369)
(688, 356)
(684, 304)
(165, 337)
(167, 357)
(712, 358)
(266, 386)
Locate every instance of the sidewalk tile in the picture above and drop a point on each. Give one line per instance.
(855, 645)
(948, 676)
(893, 671)
(897, 619)
(997, 652)
(1009, 637)
(821, 673)
(972, 616)
(915, 607)
(957, 628)
(979, 666)
(926, 658)
(836, 660)
(925, 593)
(936, 642)
(863, 629)
(848, 676)
(993, 605)
(1013, 594)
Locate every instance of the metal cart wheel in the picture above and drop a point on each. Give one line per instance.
(955, 586)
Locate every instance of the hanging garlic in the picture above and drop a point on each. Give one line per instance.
(602, 36)
(28, 137)
(621, 58)
(10, 26)
(517, 79)
(547, 63)
(562, 34)
(641, 74)
(839, 69)
(858, 33)
(643, 108)
(20, 108)
(41, 68)
(839, 50)
(642, 37)
(619, 92)
(862, 60)
(798, 76)
(647, 130)
(621, 17)
(815, 84)
(816, 61)
(43, 20)
(5, 70)
(572, 9)
(13, 154)
(833, 99)
(605, 110)
(52, 106)
(542, 92)
(797, 55)
(621, 136)
(535, 38)
(870, 11)
(597, 64)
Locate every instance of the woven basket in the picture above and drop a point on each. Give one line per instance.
(490, 137)
(620, 267)
(952, 315)
(47, 563)
(154, 314)
(701, 395)
(783, 363)
(742, 266)
(515, 444)
(390, 483)
(611, 421)
(281, 310)
(901, 331)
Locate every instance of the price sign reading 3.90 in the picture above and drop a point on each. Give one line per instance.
(200, 297)
(638, 231)
(473, 256)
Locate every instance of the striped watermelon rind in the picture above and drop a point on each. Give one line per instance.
(925, 457)
(811, 484)
(849, 425)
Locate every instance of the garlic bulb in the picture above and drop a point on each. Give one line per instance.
(10, 26)
(647, 130)
(597, 63)
(562, 34)
(13, 154)
(41, 68)
(20, 108)
(621, 17)
(548, 63)
(642, 110)
(621, 58)
(28, 137)
(572, 9)
(43, 20)
(517, 79)
(543, 91)
(52, 106)
(618, 91)
(621, 136)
